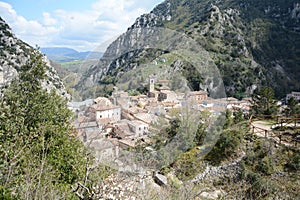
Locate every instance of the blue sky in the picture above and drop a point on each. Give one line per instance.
(79, 24)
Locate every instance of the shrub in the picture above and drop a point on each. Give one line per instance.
(188, 165)
(225, 147)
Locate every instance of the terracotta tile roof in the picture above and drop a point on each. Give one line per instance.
(102, 103)
(193, 93)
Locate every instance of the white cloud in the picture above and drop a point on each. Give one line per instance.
(48, 20)
(30, 31)
(7, 11)
(82, 30)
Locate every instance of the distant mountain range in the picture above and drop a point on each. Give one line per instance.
(62, 54)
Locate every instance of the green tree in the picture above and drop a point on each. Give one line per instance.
(228, 119)
(172, 130)
(202, 132)
(39, 158)
(227, 145)
(238, 116)
(263, 102)
(292, 107)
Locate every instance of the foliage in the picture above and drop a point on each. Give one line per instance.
(293, 163)
(133, 92)
(96, 175)
(39, 157)
(263, 102)
(167, 134)
(228, 119)
(238, 116)
(193, 76)
(176, 142)
(260, 158)
(260, 187)
(226, 147)
(267, 170)
(107, 80)
(292, 107)
(200, 134)
(5, 194)
(97, 91)
(188, 165)
(172, 130)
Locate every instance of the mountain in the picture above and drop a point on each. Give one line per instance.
(14, 53)
(62, 54)
(249, 43)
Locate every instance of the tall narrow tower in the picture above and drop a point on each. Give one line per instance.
(151, 84)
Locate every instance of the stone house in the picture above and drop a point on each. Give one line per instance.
(130, 129)
(86, 129)
(167, 96)
(138, 127)
(121, 129)
(198, 96)
(147, 118)
(105, 111)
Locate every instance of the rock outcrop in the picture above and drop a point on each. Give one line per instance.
(14, 53)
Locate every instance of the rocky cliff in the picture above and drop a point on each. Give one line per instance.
(14, 53)
(251, 43)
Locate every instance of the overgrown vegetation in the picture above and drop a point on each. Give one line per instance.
(266, 169)
(40, 159)
(226, 147)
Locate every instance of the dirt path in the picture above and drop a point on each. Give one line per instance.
(264, 129)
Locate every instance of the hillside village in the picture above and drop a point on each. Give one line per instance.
(109, 125)
(122, 121)
(148, 138)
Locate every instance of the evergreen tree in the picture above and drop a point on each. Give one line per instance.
(39, 158)
(292, 107)
(228, 119)
(263, 102)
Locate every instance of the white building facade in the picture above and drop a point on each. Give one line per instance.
(113, 113)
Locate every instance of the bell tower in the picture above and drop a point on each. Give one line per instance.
(151, 84)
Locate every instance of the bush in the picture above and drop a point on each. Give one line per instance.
(225, 147)
(188, 165)
(5, 194)
(258, 186)
(264, 166)
(293, 163)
